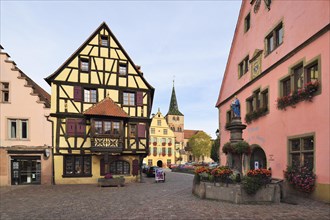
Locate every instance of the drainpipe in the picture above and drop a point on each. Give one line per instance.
(53, 169)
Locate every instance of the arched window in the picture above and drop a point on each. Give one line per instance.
(120, 167)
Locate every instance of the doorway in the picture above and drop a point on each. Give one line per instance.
(159, 163)
(258, 159)
(25, 170)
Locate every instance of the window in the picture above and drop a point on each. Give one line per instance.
(298, 75)
(169, 151)
(286, 86)
(165, 131)
(312, 73)
(247, 23)
(257, 99)
(120, 167)
(132, 131)
(301, 75)
(264, 99)
(152, 130)
(129, 98)
(274, 39)
(250, 106)
(106, 127)
(149, 162)
(163, 141)
(243, 67)
(301, 152)
(4, 92)
(122, 69)
(77, 165)
(159, 122)
(104, 40)
(154, 151)
(90, 95)
(228, 116)
(18, 129)
(84, 65)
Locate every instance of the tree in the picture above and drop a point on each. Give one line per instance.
(200, 144)
(215, 150)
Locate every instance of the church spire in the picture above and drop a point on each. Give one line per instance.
(174, 108)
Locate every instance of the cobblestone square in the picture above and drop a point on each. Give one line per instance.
(148, 200)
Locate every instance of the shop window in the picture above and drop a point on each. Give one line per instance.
(301, 152)
(4, 92)
(18, 129)
(120, 167)
(77, 165)
(129, 98)
(243, 67)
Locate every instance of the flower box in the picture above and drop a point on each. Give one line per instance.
(116, 181)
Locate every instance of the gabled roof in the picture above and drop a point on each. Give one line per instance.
(50, 78)
(174, 108)
(239, 19)
(189, 133)
(106, 107)
(44, 97)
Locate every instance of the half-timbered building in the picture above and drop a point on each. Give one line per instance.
(100, 109)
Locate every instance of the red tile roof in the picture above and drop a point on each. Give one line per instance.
(106, 107)
(189, 133)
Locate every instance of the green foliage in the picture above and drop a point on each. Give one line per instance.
(241, 147)
(249, 117)
(215, 150)
(251, 184)
(200, 144)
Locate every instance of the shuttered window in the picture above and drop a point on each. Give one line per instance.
(77, 94)
(139, 98)
(75, 127)
(141, 130)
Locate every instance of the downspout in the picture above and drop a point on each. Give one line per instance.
(53, 169)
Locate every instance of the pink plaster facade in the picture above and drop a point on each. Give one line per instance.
(29, 103)
(306, 40)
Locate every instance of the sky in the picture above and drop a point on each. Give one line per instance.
(185, 41)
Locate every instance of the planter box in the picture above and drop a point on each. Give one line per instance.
(234, 193)
(117, 181)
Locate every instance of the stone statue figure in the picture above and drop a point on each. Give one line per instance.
(236, 107)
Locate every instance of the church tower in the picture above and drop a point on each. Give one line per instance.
(175, 120)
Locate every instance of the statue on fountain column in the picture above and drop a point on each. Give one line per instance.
(236, 107)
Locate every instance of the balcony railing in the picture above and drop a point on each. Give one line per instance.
(107, 144)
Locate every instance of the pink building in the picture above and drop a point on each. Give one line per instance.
(278, 68)
(25, 138)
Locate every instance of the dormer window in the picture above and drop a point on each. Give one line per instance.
(122, 69)
(104, 40)
(84, 64)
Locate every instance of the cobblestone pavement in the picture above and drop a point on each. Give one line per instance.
(148, 200)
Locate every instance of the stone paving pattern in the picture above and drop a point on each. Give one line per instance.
(148, 200)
